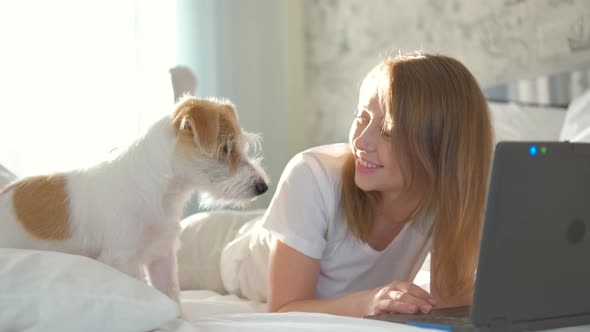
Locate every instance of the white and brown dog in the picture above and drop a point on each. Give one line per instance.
(125, 211)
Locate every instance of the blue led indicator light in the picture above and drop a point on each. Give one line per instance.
(533, 150)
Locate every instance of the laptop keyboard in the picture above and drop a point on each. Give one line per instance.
(456, 317)
(440, 320)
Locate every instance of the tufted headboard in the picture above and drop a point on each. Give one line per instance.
(538, 109)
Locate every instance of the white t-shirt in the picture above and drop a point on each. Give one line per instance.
(305, 213)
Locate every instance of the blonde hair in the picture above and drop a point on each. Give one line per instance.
(442, 135)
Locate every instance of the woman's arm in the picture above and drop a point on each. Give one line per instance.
(293, 279)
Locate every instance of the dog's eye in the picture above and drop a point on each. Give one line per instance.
(225, 148)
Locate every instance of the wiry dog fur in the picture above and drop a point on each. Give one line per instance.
(125, 211)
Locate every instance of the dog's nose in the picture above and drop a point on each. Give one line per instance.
(261, 187)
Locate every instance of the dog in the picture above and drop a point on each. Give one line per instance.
(126, 210)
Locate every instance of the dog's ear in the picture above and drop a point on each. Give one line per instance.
(187, 124)
(202, 124)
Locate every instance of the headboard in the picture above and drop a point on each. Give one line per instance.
(557, 90)
(535, 109)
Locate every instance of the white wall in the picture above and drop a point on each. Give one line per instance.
(498, 40)
(293, 68)
(250, 52)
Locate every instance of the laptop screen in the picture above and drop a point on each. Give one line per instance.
(534, 261)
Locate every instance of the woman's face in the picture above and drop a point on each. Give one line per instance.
(376, 165)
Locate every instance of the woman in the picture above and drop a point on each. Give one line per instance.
(353, 222)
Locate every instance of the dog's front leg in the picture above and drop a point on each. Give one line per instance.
(163, 275)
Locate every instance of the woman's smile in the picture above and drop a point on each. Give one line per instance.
(364, 166)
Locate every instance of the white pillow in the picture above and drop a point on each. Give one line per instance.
(525, 123)
(5, 176)
(576, 127)
(203, 237)
(50, 291)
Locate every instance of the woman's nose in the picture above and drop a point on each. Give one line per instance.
(367, 138)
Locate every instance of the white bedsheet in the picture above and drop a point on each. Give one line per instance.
(295, 321)
(285, 322)
(204, 303)
(210, 311)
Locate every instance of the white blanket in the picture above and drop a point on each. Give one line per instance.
(48, 291)
(295, 322)
(208, 311)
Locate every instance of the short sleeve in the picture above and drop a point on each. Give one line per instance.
(297, 214)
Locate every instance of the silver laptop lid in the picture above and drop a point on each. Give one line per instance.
(534, 263)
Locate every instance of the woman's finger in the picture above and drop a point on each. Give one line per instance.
(389, 305)
(414, 290)
(404, 297)
(401, 296)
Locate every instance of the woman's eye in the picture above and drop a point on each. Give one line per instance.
(360, 119)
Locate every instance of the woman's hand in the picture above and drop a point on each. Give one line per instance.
(401, 297)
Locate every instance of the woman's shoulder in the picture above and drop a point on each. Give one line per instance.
(337, 150)
(329, 156)
(323, 164)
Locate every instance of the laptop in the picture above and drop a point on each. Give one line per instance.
(533, 270)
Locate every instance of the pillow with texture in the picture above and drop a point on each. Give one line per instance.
(203, 237)
(50, 291)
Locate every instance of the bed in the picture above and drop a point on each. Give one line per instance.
(48, 291)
